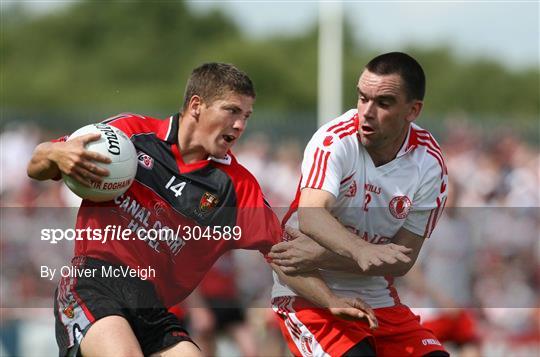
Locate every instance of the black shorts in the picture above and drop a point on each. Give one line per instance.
(81, 301)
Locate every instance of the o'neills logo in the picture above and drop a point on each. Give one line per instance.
(208, 202)
(400, 206)
(112, 139)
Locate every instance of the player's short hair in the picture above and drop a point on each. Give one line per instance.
(407, 67)
(212, 81)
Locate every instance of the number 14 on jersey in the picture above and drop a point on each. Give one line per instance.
(176, 188)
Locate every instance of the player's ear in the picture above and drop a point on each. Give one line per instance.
(194, 106)
(414, 111)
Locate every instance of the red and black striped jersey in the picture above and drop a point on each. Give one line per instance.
(212, 206)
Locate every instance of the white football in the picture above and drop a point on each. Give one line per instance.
(115, 144)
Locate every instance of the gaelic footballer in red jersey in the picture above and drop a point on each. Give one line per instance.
(371, 179)
(188, 181)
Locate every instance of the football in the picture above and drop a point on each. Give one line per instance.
(115, 144)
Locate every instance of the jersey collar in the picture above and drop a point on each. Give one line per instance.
(409, 143)
(168, 130)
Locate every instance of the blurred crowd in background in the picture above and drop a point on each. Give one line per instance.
(483, 258)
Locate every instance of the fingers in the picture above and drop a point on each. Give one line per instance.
(84, 176)
(91, 155)
(364, 265)
(370, 315)
(354, 314)
(279, 253)
(85, 139)
(87, 175)
(282, 262)
(367, 312)
(292, 233)
(359, 304)
(400, 248)
(76, 172)
(392, 253)
(290, 265)
(95, 156)
(280, 247)
(280, 257)
(388, 256)
(402, 257)
(372, 320)
(287, 269)
(392, 256)
(275, 254)
(376, 261)
(79, 178)
(93, 171)
(390, 259)
(292, 270)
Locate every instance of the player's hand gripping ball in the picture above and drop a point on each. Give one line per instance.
(116, 145)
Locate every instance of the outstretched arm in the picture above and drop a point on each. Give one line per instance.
(317, 222)
(303, 254)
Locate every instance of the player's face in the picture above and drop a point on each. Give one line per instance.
(223, 122)
(384, 111)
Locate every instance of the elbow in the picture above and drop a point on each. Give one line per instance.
(37, 167)
(30, 172)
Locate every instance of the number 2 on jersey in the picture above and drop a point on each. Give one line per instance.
(177, 189)
(367, 200)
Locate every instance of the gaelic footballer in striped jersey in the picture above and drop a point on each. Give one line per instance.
(370, 178)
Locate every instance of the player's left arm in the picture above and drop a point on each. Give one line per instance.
(403, 237)
(311, 286)
(304, 254)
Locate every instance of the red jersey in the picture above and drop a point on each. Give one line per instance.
(220, 281)
(204, 203)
